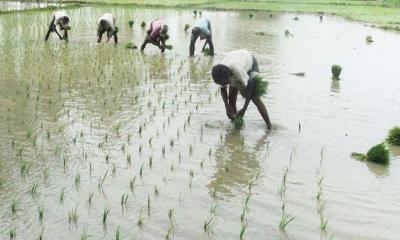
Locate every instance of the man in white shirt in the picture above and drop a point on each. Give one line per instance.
(202, 29)
(238, 71)
(106, 23)
(61, 19)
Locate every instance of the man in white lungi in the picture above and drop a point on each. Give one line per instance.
(106, 23)
(62, 20)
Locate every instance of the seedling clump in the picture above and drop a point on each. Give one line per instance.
(378, 154)
(261, 86)
(336, 70)
(207, 52)
(394, 136)
(143, 24)
(369, 39)
(169, 47)
(239, 123)
(130, 23)
(187, 26)
(130, 46)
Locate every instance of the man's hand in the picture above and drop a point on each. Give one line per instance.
(241, 112)
(231, 115)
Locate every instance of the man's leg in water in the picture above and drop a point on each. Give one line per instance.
(262, 110)
(233, 93)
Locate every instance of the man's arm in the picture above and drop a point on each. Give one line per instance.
(162, 45)
(250, 91)
(55, 30)
(229, 112)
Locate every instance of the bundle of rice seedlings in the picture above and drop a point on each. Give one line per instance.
(287, 33)
(368, 39)
(378, 154)
(116, 30)
(187, 26)
(336, 70)
(169, 47)
(238, 122)
(296, 18)
(207, 52)
(195, 12)
(261, 86)
(130, 46)
(130, 23)
(143, 24)
(394, 136)
(251, 15)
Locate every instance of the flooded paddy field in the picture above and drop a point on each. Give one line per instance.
(6, 6)
(101, 142)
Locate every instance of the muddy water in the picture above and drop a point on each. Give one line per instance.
(85, 119)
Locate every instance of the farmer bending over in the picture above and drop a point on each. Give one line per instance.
(202, 29)
(157, 35)
(107, 24)
(238, 70)
(61, 19)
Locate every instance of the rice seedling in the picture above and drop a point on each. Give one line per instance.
(260, 33)
(148, 202)
(77, 180)
(124, 200)
(14, 207)
(90, 199)
(62, 195)
(323, 223)
(238, 122)
(195, 12)
(285, 220)
(140, 221)
(187, 26)
(169, 47)
(132, 184)
(12, 233)
(73, 216)
(141, 171)
(105, 216)
(156, 191)
(171, 213)
(251, 15)
(209, 224)
(85, 235)
(41, 214)
(369, 39)
(143, 24)
(128, 160)
(378, 154)
(296, 18)
(118, 234)
(242, 231)
(336, 70)
(101, 180)
(33, 190)
(394, 136)
(46, 174)
(130, 23)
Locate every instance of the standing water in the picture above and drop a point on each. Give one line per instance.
(97, 140)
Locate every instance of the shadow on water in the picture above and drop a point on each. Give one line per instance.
(236, 164)
(335, 86)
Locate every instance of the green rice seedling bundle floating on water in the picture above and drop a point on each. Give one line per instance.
(143, 24)
(336, 71)
(378, 154)
(238, 122)
(251, 15)
(261, 86)
(131, 22)
(394, 136)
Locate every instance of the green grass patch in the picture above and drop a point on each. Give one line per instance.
(130, 23)
(130, 46)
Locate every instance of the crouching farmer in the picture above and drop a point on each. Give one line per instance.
(202, 29)
(106, 23)
(60, 19)
(238, 71)
(157, 35)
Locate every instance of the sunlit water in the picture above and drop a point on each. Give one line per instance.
(73, 115)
